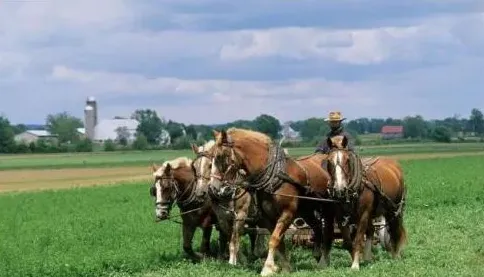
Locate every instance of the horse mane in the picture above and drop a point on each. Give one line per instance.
(175, 163)
(246, 134)
(207, 146)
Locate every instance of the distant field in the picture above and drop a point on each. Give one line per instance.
(115, 159)
(109, 231)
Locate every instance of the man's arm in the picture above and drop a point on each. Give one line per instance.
(322, 147)
(351, 145)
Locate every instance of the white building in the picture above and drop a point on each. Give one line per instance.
(30, 136)
(289, 134)
(111, 129)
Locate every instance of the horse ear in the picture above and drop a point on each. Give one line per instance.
(215, 133)
(167, 168)
(154, 167)
(194, 148)
(224, 136)
(344, 142)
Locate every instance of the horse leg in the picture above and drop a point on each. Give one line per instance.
(363, 220)
(398, 235)
(188, 232)
(370, 231)
(282, 225)
(316, 227)
(238, 228)
(222, 240)
(328, 234)
(346, 235)
(253, 241)
(286, 265)
(205, 246)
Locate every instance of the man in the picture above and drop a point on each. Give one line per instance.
(335, 119)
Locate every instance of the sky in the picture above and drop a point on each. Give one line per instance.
(215, 61)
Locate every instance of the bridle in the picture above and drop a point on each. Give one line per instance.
(198, 174)
(177, 194)
(233, 163)
(353, 172)
(173, 185)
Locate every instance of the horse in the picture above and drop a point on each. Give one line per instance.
(367, 189)
(176, 180)
(278, 182)
(232, 209)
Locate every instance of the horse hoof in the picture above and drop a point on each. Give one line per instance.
(323, 263)
(355, 267)
(269, 270)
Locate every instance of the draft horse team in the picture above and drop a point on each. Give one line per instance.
(243, 177)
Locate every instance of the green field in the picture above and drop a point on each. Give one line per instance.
(111, 159)
(109, 231)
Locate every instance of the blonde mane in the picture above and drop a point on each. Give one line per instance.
(207, 146)
(175, 163)
(256, 137)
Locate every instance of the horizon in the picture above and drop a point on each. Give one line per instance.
(196, 62)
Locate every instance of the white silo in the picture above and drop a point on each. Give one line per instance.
(91, 101)
(90, 117)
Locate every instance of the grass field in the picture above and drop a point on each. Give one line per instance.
(109, 231)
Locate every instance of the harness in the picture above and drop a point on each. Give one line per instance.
(191, 197)
(359, 181)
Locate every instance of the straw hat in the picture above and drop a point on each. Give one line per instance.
(335, 116)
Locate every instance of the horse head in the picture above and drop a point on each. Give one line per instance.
(343, 166)
(202, 164)
(172, 183)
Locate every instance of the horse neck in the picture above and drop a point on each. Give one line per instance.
(185, 180)
(254, 155)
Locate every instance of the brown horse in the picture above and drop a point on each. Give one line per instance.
(231, 209)
(367, 189)
(176, 181)
(277, 182)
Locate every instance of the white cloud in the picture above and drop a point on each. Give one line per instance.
(225, 99)
(59, 52)
(353, 46)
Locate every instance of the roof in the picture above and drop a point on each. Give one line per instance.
(40, 133)
(106, 128)
(81, 130)
(392, 129)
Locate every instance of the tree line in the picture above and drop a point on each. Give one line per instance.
(311, 131)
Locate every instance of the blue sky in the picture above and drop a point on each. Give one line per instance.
(214, 61)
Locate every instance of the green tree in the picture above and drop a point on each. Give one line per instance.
(122, 135)
(84, 145)
(7, 142)
(109, 146)
(150, 125)
(175, 129)
(441, 134)
(477, 121)
(141, 142)
(191, 131)
(415, 127)
(267, 124)
(64, 126)
(19, 128)
(313, 129)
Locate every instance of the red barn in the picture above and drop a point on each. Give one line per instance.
(391, 132)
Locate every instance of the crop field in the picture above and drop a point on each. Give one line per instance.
(110, 230)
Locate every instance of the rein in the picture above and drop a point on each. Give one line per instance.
(355, 174)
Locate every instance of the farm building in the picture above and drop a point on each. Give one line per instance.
(391, 132)
(111, 129)
(30, 136)
(289, 134)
